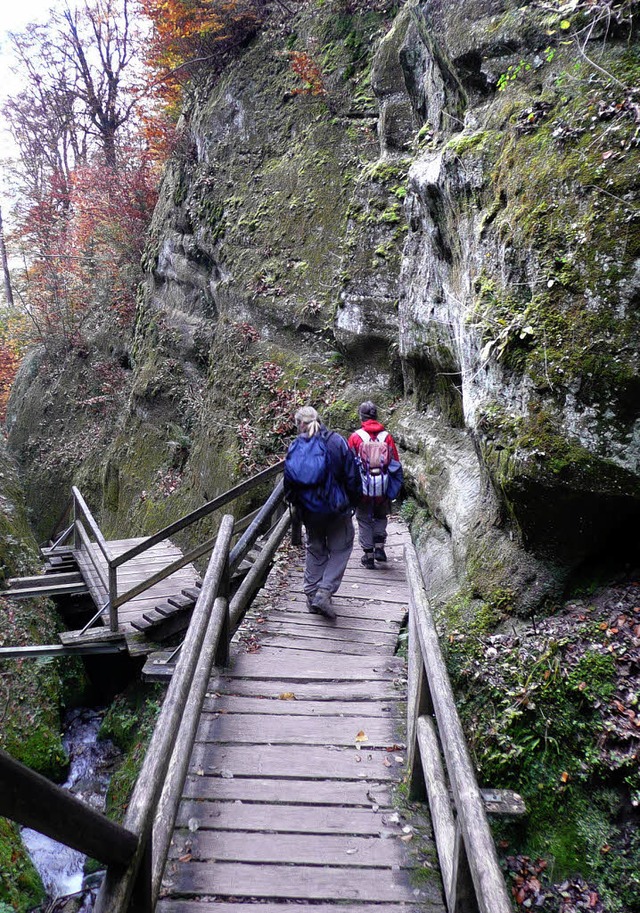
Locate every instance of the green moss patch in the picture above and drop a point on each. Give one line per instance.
(20, 886)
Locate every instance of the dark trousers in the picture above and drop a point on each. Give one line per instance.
(372, 523)
(329, 546)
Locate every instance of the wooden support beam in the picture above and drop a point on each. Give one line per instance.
(504, 802)
(33, 801)
(52, 589)
(40, 650)
(43, 580)
(91, 635)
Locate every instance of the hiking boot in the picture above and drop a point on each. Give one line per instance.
(310, 605)
(379, 553)
(367, 561)
(321, 602)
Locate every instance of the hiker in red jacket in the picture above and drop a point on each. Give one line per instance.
(373, 510)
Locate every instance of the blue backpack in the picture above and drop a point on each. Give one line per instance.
(307, 470)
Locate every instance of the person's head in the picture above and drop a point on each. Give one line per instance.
(307, 421)
(367, 410)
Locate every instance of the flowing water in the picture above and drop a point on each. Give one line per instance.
(89, 773)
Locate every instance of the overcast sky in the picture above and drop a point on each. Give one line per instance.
(14, 16)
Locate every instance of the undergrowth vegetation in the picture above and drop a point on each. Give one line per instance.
(551, 709)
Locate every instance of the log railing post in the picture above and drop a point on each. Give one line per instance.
(142, 894)
(418, 704)
(113, 596)
(75, 524)
(478, 848)
(222, 649)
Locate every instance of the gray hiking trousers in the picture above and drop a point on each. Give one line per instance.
(372, 523)
(329, 545)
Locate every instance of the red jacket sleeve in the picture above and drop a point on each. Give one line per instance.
(392, 445)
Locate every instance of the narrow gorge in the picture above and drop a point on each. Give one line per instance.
(442, 217)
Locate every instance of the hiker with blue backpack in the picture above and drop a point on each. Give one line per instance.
(381, 476)
(321, 480)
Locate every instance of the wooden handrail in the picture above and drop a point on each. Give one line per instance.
(171, 797)
(93, 526)
(250, 584)
(118, 886)
(239, 551)
(84, 538)
(249, 537)
(198, 514)
(466, 850)
(33, 801)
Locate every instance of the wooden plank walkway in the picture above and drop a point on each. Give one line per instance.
(290, 795)
(133, 572)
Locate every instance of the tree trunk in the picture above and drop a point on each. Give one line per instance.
(8, 291)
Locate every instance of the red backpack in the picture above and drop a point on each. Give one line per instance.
(374, 456)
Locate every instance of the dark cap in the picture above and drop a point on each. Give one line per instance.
(367, 410)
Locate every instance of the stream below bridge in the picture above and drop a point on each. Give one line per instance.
(90, 769)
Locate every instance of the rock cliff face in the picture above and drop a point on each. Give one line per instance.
(519, 291)
(445, 222)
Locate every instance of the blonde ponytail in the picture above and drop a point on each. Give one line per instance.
(308, 417)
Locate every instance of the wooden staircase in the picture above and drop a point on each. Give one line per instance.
(172, 616)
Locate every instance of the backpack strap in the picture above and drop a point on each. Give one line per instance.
(382, 436)
(363, 435)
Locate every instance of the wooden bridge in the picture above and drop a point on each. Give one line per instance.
(143, 590)
(275, 770)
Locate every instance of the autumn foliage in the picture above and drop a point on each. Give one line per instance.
(309, 72)
(82, 246)
(192, 35)
(9, 361)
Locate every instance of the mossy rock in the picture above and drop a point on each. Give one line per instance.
(21, 889)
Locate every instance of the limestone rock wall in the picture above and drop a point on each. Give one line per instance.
(518, 291)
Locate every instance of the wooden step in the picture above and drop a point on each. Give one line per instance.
(51, 588)
(44, 580)
(164, 620)
(56, 555)
(62, 567)
(92, 635)
(181, 602)
(192, 593)
(167, 609)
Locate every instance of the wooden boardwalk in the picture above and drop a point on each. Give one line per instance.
(134, 572)
(290, 795)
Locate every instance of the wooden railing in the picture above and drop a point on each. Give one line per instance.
(87, 533)
(135, 853)
(471, 873)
